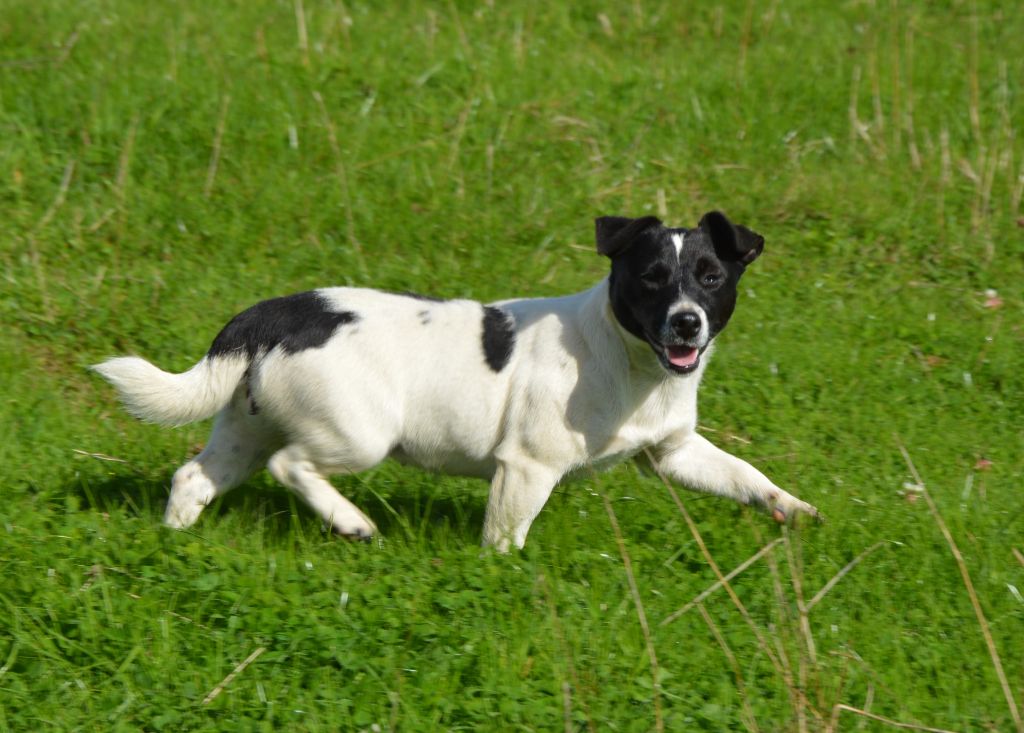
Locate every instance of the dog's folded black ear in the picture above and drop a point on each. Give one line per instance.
(616, 233)
(731, 242)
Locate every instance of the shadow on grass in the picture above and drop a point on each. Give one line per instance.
(420, 510)
(133, 493)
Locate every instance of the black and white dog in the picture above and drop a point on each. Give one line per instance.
(522, 392)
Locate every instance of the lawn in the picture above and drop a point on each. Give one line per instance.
(165, 165)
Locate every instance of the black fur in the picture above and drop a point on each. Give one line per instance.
(648, 277)
(293, 323)
(499, 337)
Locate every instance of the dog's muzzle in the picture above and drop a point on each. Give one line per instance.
(682, 342)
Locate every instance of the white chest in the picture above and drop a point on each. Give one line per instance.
(668, 410)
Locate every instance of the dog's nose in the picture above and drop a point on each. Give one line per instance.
(685, 324)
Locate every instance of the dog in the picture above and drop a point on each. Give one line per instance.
(524, 392)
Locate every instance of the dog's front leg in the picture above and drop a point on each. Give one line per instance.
(694, 461)
(519, 490)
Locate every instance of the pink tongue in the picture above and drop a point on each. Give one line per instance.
(682, 356)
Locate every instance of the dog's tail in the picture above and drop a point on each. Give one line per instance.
(154, 395)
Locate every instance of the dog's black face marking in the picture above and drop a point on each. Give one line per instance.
(675, 288)
(293, 322)
(499, 337)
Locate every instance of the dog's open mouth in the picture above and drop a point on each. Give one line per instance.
(682, 357)
(678, 358)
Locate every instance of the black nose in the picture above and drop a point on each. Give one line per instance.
(685, 324)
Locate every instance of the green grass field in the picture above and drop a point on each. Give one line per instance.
(165, 165)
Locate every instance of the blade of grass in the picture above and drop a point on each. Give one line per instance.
(659, 723)
(218, 137)
(342, 173)
(748, 714)
(718, 584)
(888, 721)
(997, 662)
(568, 657)
(762, 642)
(231, 675)
(804, 628)
(840, 575)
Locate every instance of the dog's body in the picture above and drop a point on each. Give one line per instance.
(522, 392)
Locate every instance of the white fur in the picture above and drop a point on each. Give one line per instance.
(684, 303)
(677, 241)
(154, 395)
(408, 380)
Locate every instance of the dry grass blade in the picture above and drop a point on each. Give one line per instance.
(231, 676)
(811, 658)
(978, 612)
(882, 719)
(218, 137)
(58, 200)
(567, 706)
(346, 195)
(98, 456)
(762, 642)
(124, 161)
(840, 575)
(718, 584)
(796, 573)
(34, 256)
(659, 723)
(748, 714)
(567, 657)
(300, 30)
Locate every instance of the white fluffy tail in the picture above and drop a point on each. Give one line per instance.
(154, 395)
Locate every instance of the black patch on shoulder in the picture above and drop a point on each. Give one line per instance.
(293, 322)
(499, 337)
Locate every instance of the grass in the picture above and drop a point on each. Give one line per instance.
(163, 166)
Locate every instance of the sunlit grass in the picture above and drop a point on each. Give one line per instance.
(164, 166)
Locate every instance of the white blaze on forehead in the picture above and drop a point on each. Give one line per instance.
(677, 240)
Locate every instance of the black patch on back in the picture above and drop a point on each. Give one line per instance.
(293, 322)
(499, 337)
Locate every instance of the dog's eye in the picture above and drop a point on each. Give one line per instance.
(655, 277)
(710, 279)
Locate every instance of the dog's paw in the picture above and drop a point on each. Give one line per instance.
(184, 508)
(787, 509)
(357, 531)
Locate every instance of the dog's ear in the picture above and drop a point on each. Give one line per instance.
(731, 242)
(616, 233)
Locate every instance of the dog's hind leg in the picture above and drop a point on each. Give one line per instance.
(519, 491)
(237, 447)
(293, 468)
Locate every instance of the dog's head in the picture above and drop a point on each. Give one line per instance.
(675, 288)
